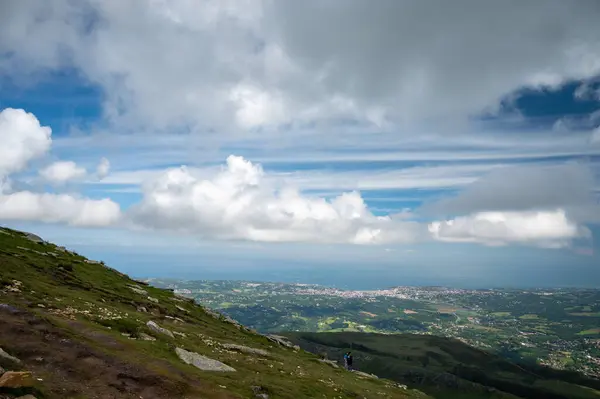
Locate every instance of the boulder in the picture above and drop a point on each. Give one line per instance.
(152, 299)
(156, 328)
(27, 397)
(5, 355)
(246, 349)
(202, 362)
(16, 379)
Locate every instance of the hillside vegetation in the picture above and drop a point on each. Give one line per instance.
(448, 368)
(75, 328)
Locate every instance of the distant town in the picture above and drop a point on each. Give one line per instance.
(559, 328)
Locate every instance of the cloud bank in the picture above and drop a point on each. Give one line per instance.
(258, 63)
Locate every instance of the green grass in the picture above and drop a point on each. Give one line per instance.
(93, 305)
(446, 368)
(592, 331)
(529, 317)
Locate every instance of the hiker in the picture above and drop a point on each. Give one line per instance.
(349, 361)
(346, 360)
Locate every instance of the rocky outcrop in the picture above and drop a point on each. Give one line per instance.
(156, 328)
(16, 379)
(202, 362)
(246, 349)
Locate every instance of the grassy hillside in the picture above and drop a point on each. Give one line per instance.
(82, 330)
(448, 368)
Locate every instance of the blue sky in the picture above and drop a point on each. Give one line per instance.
(203, 141)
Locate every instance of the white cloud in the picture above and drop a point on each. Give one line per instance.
(207, 63)
(62, 171)
(58, 208)
(22, 139)
(551, 229)
(239, 203)
(103, 168)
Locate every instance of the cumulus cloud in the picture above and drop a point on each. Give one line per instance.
(103, 168)
(22, 139)
(550, 229)
(58, 208)
(62, 171)
(271, 62)
(239, 203)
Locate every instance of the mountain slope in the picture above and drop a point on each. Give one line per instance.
(84, 330)
(448, 368)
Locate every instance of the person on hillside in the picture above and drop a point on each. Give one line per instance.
(346, 360)
(349, 360)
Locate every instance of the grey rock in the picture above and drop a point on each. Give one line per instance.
(182, 309)
(202, 362)
(365, 375)
(6, 356)
(146, 337)
(137, 289)
(332, 363)
(259, 392)
(152, 299)
(142, 309)
(246, 349)
(34, 238)
(156, 328)
(27, 397)
(278, 339)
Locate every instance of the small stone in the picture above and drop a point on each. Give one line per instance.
(246, 349)
(146, 337)
(152, 299)
(182, 309)
(5, 355)
(142, 309)
(16, 379)
(137, 290)
(41, 305)
(156, 328)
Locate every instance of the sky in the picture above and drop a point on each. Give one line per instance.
(347, 143)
